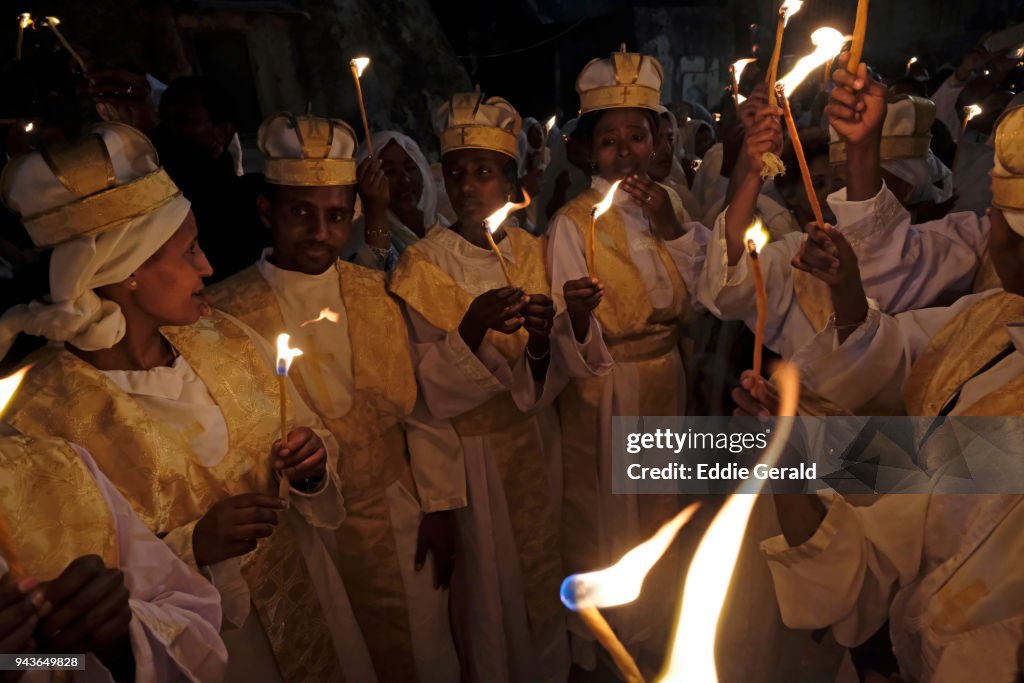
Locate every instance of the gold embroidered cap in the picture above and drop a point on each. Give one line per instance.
(1008, 171)
(307, 150)
(96, 183)
(906, 131)
(626, 79)
(471, 121)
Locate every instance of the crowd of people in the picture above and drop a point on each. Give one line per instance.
(404, 501)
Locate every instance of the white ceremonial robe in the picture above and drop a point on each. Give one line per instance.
(454, 380)
(875, 360)
(434, 452)
(902, 266)
(623, 392)
(708, 184)
(170, 605)
(943, 569)
(175, 395)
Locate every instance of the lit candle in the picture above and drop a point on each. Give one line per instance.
(24, 21)
(911, 62)
(8, 386)
(53, 22)
(692, 649)
(494, 221)
(359, 65)
(599, 209)
(618, 585)
(787, 10)
(828, 42)
(325, 314)
(548, 126)
(860, 29)
(736, 70)
(285, 355)
(970, 112)
(755, 238)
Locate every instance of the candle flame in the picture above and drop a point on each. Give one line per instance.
(549, 125)
(828, 43)
(606, 203)
(692, 655)
(494, 221)
(718, 117)
(53, 21)
(756, 237)
(285, 355)
(25, 20)
(29, 127)
(912, 62)
(740, 66)
(325, 314)
(971, 110)
(788, 9)
(359, 65)
(9, 385)
(621, 583)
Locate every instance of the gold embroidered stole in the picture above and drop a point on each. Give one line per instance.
(635, 333)
(53, 506)
(958, 351)
(511, 435)
(154, 468)
(814, 298)
(373, 447)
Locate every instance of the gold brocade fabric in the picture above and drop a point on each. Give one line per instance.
(814, 298)
(986, 277)
(54, 508)
(154, 468)
(958, 351)
(512, 435)
(373, 449)
(635, 333)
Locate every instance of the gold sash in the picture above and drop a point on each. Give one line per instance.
(373, 448)
(55, 510)
(635, 333)
(512, 435)
(958, 351)
(154, 468)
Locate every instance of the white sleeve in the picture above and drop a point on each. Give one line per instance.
(845, 575)
(904, 266)
(566, 261)
(876, 358)
(729, 291)
(689, 253)
(176, 613)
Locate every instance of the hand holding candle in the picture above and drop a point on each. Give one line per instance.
(358, 65)
(285, 355)
(494, 221)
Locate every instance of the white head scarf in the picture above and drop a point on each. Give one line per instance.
(690, 133)
(428, 199)
(73, 312)
(931, 179)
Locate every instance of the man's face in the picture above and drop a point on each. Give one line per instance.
(310, 225)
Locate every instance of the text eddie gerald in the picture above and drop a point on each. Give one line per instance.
(734, 443)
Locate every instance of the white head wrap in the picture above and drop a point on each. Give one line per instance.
(428, 199)
(73, 312)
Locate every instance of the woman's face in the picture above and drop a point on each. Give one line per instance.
(476, 183)
(169, 284)
(623, 143)
(405, 181)
(664, 148)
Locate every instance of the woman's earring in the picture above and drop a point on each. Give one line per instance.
(132, 284)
